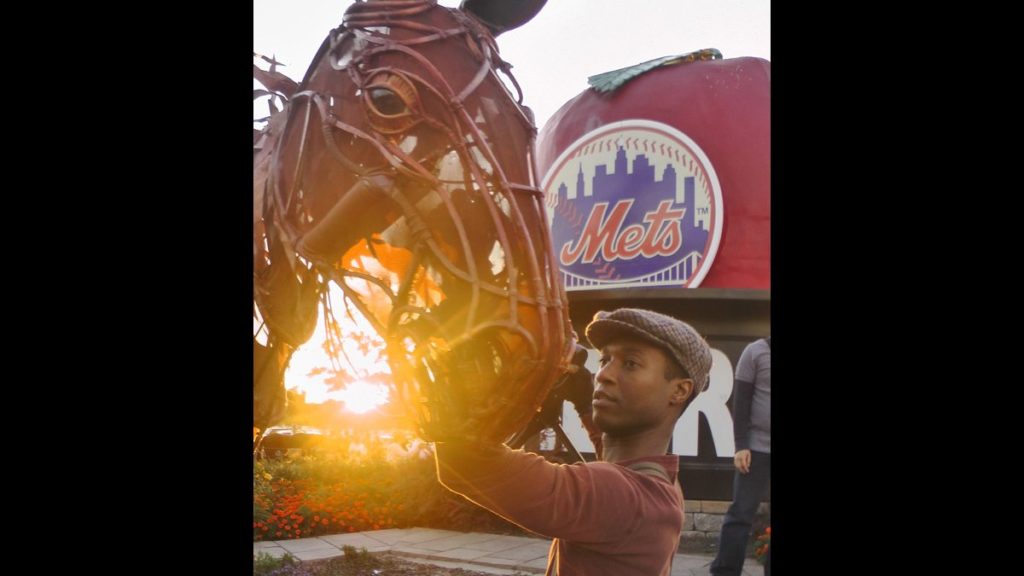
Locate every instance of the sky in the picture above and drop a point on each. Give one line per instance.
(553, 54)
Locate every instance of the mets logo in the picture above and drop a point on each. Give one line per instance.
(633, 204)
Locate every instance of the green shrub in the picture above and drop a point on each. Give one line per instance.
(264, 564)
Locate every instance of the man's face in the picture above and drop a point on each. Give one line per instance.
(632, 393)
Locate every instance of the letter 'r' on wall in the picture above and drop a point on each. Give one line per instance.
(714, 403)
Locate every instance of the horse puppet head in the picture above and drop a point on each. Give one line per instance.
(404, 174)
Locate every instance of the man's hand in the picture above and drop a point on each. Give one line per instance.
(742, 461)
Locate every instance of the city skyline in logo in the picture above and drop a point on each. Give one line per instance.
(631, 210)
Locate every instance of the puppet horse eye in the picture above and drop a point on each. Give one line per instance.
(391, 102)
(387, 103)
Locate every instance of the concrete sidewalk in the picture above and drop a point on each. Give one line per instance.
(487, 553)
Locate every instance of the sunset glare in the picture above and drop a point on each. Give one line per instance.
(312, 372)
(361, 397)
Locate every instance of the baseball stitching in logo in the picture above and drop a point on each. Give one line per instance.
(634, 204)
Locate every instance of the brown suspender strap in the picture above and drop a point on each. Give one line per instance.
(658, 471)
(650, 469)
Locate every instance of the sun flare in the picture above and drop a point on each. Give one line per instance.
(310, 369)
(361, 397)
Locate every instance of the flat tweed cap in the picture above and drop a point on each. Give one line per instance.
(683, 343)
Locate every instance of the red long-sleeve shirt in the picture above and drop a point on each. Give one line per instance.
(605, 518)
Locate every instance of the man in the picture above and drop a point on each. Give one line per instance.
(752, 426)
(622, 516)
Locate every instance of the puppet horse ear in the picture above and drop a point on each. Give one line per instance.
(502, 15)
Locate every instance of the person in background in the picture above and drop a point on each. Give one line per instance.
(752, 427)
